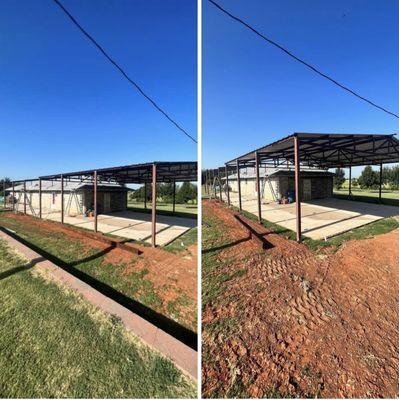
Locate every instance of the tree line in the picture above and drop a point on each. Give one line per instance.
(185, 193)
(7, 182)
(370, 179)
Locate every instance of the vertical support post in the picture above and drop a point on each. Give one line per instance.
(145, 195)
(227, 184)
(380, 188)
(210, 184)
(213, 180)
(4, 193)
(25, 197)
(258, 187)
(350, 181)
(13, 196)
(220, 185)
(297, 189)
(40, 198)
(174, 195)
(239, 185)
(95, 200)
(62, 199)
(154, 205)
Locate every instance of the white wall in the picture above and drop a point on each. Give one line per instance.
(248, 188)
(51, 202)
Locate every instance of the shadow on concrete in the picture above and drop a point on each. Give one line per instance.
(169, 326)
(335, 223)
(180, 214)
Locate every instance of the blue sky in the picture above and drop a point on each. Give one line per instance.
(63, 107)
(254, 94)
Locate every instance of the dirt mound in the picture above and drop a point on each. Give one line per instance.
(307, 325)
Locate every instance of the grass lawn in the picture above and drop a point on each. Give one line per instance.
(55, 344)
(216, 295)
(375, 228)
(134, 290)
(213, 293)
(389, 197)
(180, 244)
(182, 210)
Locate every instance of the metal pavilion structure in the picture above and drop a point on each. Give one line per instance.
(146, 173)
(307, 150)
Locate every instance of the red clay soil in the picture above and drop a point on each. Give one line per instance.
(57, 227)
(308, 325)
(171, 274)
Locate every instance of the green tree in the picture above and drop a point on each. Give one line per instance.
(394, 177)
(187, 192)
(386, 175)
(139, 193)
(368, 178)
(339, 178)
(6, 181)
(165, 191)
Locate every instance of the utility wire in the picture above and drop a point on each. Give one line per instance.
(299, 60)
(115, 64)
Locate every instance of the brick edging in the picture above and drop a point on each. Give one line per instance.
(180, 354)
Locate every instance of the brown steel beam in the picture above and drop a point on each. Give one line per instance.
(62, 199)
(297, 189)
(227, 185)
(40, 198)
(174, 196)
(154, 205)
(380, 188)
(24, 197)
(220, 185)
(95, 200)
(239, 185)
(214, 186)
(13, 197)
(350, 181)
(145, 195)
(210, 184)
(258, 187)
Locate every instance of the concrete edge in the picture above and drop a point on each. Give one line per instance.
(180, 354)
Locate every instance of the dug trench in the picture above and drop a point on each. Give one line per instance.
(169, 275)
(287, 321)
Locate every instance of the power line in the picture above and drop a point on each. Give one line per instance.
(299, 60)
(115, 64)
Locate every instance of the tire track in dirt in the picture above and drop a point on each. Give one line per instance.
(308, 325)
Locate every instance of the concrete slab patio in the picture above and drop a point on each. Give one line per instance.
(129, 224)
(322, 218)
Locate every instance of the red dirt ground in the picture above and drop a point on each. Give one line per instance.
(171, 274)
(308, 325)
